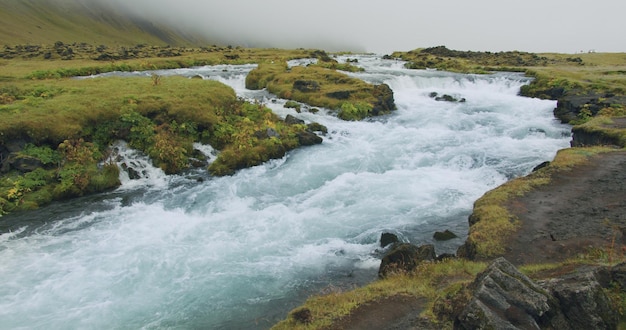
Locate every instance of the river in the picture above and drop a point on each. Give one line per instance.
(239, 252)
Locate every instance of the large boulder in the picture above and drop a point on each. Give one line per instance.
(291, 120)
(388, 239)
(504, 298)
(384, 100)
(306, 138)
(404, 258)
(583, 302)
(501, 297)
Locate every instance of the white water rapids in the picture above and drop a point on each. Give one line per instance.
(239, 252)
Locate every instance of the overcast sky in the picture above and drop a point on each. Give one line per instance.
(384, 26)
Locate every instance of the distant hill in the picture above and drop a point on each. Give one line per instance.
(47, 21)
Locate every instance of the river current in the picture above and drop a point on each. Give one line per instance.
(239, 252)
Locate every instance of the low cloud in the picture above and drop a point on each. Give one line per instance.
(366, 25)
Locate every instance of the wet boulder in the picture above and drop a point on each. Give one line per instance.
(404, 258)
(388, 239)
(23, 163)
(504, 298)
(291, 120)
(317, 127)
(583, 302)
(385, 102)
(307, 138)
(445, 235)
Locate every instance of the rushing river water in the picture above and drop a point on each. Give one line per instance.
(239, 252)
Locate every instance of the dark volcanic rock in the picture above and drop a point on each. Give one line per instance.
(384, 100)
(583, 302)
(444, 235)
(24, 163)
(308, 138)
(570, 106)
(504, 298)
(306, 86)
(540, 166)
(339, 95)
(387, 239)
(405, 258)
(291, 120)
(317, 127)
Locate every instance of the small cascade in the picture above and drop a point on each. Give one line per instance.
(136, 169)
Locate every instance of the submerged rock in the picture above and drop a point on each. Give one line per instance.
(444, 235)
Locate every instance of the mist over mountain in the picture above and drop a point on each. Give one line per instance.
(354, 25)
(487, 25)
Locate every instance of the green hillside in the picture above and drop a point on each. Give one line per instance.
(47, 21)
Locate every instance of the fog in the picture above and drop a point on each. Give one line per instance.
(384, 26)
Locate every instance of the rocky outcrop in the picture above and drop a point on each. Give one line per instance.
(572, 106)
(503, 298)
(583, 303)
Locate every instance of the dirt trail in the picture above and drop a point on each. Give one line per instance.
(579, 209)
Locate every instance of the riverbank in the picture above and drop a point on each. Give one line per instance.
(563, 216)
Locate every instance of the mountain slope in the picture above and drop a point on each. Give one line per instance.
(48, 21)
